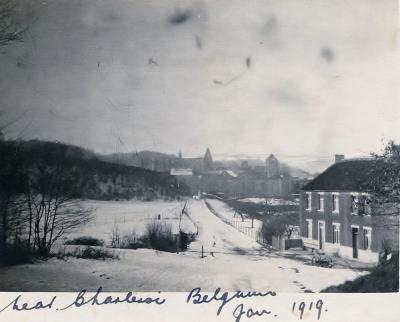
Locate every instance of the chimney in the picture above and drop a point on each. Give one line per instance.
(339, 157)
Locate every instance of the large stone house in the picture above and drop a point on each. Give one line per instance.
(337, 214)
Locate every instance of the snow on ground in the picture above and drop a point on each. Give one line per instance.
(237, 263)
(234, 219)
(271, 201)
(131, 216)
(214, 234)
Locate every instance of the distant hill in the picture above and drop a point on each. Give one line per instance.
(88, 175)
(155, 161)
(144, 159)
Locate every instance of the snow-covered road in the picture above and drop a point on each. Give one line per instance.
(237, 263)
(216, 236)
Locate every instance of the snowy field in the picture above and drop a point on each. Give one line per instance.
(271, 201)
(131, 217)
(231, 260)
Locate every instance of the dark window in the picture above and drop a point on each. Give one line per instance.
(367, 238)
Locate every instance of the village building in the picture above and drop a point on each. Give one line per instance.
(337, 215)
(205, 175)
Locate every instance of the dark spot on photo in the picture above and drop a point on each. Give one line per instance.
(198, 42)
(248, 62)
(180, 16)
(152, 61)
(327, 54)
(271, 24)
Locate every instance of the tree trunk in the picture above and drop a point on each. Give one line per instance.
(4, 226)
(30, 220)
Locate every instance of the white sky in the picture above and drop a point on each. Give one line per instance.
(323, 77)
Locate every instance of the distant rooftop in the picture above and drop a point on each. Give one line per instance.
(229, 173)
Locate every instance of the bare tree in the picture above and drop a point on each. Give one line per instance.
(385, 199)
(280, 225)
(384, 178)
(238, 212)
(53, 211)
(387, 175)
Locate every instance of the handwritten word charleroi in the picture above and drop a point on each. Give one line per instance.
(195, 296)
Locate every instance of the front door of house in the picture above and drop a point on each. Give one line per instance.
(354, 237)
(321, 234)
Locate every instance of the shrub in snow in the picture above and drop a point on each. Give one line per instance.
(159, 236)
(96, 253)
(86, 241)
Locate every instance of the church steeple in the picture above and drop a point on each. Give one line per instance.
(272, 167)
(208, 163)
(180, 160)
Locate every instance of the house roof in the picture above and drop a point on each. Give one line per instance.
(348, 175)
(229, 173)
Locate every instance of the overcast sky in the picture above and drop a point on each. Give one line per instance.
(301, 79)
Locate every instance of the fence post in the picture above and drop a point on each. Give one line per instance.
(202, 252)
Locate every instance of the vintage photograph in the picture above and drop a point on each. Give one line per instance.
(153, 145)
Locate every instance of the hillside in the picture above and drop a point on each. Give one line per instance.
(144, 159)
(87, 175)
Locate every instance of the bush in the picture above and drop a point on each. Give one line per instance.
(159, 236)
(116, 237)
(96, 253)
(86, 241)
(279, 225)
(87, 252)
(132, 241)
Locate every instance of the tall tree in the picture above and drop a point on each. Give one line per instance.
(53, 209)
(384, 204)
